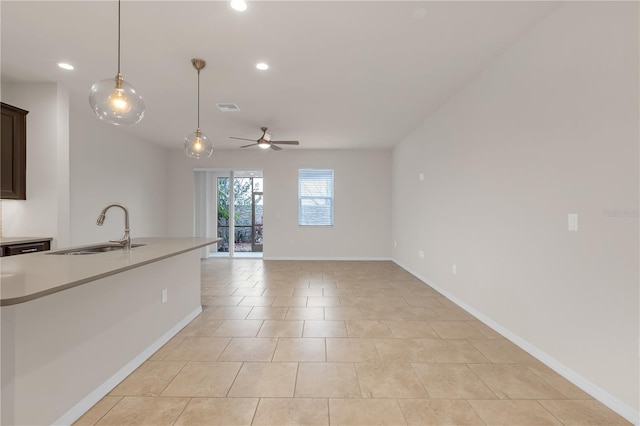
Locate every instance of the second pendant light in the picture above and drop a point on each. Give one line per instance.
(197, 144)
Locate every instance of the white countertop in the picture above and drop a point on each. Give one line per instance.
(30, 276)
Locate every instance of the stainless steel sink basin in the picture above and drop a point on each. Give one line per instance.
(101, 248)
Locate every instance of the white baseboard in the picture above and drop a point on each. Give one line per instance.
(366, 259)
(96, 395)
(589, 387)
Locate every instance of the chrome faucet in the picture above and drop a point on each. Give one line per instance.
(125, 241)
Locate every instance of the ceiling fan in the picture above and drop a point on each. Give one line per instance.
(265, 141)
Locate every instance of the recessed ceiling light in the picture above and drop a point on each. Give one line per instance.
(65, 66)
(262, 66)
(239, 5)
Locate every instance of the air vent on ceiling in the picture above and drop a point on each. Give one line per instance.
(228, 107)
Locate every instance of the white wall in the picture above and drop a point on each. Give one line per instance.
(362, 197)
(206, 206)
(45, 211)
(550, 128)
(109, 164)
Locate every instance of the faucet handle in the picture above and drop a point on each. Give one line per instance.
(122, 241)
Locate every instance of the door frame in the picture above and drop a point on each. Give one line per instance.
(212, 216)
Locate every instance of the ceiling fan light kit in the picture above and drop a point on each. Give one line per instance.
(114, 100)
(197, 144)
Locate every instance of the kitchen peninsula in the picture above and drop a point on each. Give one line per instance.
(74, 326)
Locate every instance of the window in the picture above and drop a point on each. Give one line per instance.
(315, 197)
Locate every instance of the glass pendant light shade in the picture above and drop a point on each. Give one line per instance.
(197, 145)
(116, 102)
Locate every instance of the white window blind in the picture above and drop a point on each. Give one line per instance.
(315, 197)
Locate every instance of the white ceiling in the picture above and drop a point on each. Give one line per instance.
(344, 74)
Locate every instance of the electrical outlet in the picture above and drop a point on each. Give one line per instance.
(454, 269)
(420, 254)
(421, 176)
(164, 295)
(573, 221)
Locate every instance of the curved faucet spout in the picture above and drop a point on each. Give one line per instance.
(125, 241)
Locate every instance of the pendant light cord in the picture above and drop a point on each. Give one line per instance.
(198, 99)
(118, 37)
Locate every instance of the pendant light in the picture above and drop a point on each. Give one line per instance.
(114, 100)
(197, 144)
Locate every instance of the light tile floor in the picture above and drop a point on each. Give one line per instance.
(338, 343)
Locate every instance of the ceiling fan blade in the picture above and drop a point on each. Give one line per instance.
(242, 139)
(247, 146)
(277, 148)
(287, 142)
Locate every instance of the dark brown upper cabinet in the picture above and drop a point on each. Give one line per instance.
(13, 156)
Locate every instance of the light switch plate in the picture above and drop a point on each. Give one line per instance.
(573, 221)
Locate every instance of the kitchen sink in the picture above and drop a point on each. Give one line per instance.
(101, 248)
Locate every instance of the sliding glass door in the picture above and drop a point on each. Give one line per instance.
(240, 213)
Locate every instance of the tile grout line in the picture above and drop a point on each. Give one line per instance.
(326, 353)
(182, 411)
(466, 364)
(295, 383)
(550, 413)
(402, 411)
(275, 349)
(226, 395)
(107, 412)
(255, 411)
(528, 365)
(355, 369)
(174, 377)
